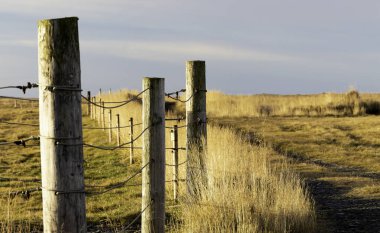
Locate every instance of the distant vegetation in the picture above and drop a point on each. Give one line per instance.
(351, 103)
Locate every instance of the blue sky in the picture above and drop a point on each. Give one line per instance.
(271, 46)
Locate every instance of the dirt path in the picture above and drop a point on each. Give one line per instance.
(336, 212)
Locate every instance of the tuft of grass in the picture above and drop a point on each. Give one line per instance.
(245, 193)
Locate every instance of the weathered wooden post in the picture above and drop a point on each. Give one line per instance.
(61, 123)
(196, 126)
(118, 129)
(110, 126)
(91, 107)
(100, 112)
(88, 103)
(131, 149)
(103, 120)
(153, 154)
(174, 139)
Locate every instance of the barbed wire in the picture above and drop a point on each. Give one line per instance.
(169, 95)
(20, 141)
(173, 148)
(174, 165)
(90, 128)
(114, 127)
(178, 127)
(117, 106)
(21, 87)
(182, 101)
(107, 147)
(24, 193)
(175, 92)
(119, 184)
(138, 216)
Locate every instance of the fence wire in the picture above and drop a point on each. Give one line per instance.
(117, 106)
(21, 87)
(119, 184)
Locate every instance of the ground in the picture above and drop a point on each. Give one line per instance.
(338, 158)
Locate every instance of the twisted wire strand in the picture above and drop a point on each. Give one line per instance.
(182, 101)
(22, 87)
(115, 127)
(173, 148)
(175, 92)
(173, 165)
(120, 184)
(20, 141)
(106, 147)
(24, 193)
(36, 125)
(117, 106)
(178, 127)
(138, 216)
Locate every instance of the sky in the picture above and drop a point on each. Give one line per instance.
(250, 46)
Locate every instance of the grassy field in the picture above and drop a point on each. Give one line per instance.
(245, 193)
(335, 149)
(340, 143)
(351, 103)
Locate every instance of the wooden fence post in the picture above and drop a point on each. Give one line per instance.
(100, 112)
(174, 139)
(110, 126)
(118, 129)
(103, 120)
(131, 149)
(196, 126)
(61, 123)
(93, 112)
(153, 154)
(88, 103)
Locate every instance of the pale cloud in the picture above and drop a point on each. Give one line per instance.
(88, 9)
(18, 43)
(180, 50)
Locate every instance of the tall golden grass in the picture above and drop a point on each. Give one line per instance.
(326, 104)
(246, 191)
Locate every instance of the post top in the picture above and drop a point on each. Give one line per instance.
(196, 61)
(59, 19)
(152, 78)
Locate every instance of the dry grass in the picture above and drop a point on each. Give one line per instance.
(350, 143)
(250, 189)
(245, 192)
(326, 104)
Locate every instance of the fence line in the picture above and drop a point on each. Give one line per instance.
(193, 94)
(117, 106)
(120, 184)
